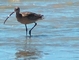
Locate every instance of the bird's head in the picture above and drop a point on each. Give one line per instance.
(17, 9)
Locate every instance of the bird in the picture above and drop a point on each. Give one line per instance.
(26, 18)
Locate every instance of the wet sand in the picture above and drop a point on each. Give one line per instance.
(56, 37)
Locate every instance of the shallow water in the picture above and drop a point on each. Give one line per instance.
(55, 37)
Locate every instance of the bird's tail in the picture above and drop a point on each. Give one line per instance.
(41, 16)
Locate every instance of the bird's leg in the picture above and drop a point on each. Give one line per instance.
(32, 28)
(26, 29)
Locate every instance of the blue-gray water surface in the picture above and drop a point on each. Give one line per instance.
(56, 37)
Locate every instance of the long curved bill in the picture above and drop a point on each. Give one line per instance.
(8, 17)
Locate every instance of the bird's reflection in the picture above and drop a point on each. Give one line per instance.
(28, 51)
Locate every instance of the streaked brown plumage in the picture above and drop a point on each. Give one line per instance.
(26, 18)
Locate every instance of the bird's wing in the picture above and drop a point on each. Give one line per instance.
(26, 14)
(31, 16)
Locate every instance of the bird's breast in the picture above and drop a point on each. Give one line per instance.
(25, 20)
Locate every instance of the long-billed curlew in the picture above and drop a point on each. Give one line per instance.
(26, 18)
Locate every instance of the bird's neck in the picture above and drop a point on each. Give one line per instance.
(18, 14)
